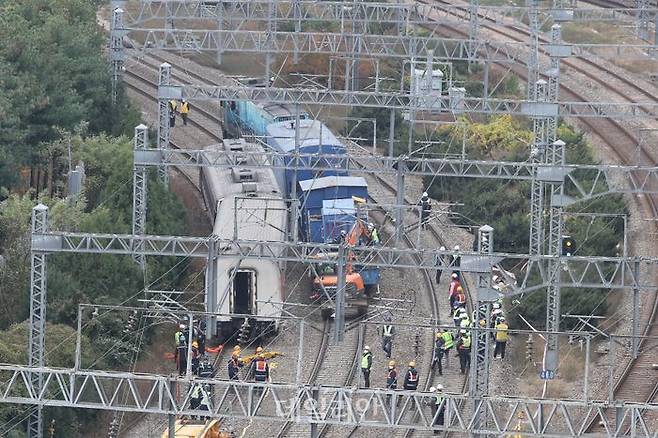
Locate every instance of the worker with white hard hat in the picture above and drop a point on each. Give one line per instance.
(452, 290)
(425, 209)
(440, 262)
(366, 365)
(437, 407)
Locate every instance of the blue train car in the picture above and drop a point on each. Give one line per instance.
(316, 194)
(314, 138)
(253, 117)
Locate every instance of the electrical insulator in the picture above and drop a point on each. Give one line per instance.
(243, 334)
(529, 348)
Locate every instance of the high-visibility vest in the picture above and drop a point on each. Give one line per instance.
(388, 330)
(466, 341)
(501, 332)
(448, 342)
(184, 108)
(261, 366)
(439, 399)
(172, 105)
(374, 236)
(413, 376)
(392, 378)
(466, 322)
(365, 362)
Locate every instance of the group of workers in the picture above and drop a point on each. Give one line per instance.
(183, 338)
(182, 108)
(369, 238)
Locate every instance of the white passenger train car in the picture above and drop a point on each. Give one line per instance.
(246, 204)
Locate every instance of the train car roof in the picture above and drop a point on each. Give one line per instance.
(279, 109)
(257, 203)
(332, 181)
(311, 133)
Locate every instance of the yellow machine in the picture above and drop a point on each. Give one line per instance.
(197, 429)
(266, 355)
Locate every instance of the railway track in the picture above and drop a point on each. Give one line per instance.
(324, 345)
(632, 384)
(625, 136)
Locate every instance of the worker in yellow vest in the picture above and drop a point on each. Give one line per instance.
(501, 337)
(172, 105)
(184, 111)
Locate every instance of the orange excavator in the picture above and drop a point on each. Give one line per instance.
(357, 280)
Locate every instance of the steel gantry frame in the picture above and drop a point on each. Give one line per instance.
(140, 192)
(317, 404)
(38, 294)
(165, 94)
(554, 156)
(402, 100)
(117, 53)
(478, 380)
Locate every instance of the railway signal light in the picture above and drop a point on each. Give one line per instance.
(568, 246)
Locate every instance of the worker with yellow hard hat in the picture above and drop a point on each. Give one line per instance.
(411, 377)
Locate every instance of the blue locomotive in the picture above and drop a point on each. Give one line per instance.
(328, 195)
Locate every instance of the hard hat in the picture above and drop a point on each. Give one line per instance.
(496, 311)
(433, 389)
(502, 318)
(456, 248)
(259, 350)
(425, 195)
(195, 344)
(366, 348)
(443, 248)
(460, 289)
(463, 331)
(438, 335)
(496, 305)
(412, 364)
(462, 311)
(483, 323)
(439, 387)
(342, 232)
(391, 364)
(454, 275)
(181, 326)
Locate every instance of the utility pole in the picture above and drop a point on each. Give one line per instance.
(533, 56)
(472, 29)
(339, 319)
(36, 343)
(480, 346)
(164, 96)
(140, 193)
(117, 54)
(642, 19)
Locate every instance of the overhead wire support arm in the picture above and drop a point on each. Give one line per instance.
(401, 100)
(578, 271)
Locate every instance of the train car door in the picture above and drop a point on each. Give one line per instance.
(244, 291)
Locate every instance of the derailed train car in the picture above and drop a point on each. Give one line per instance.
(245, 204)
